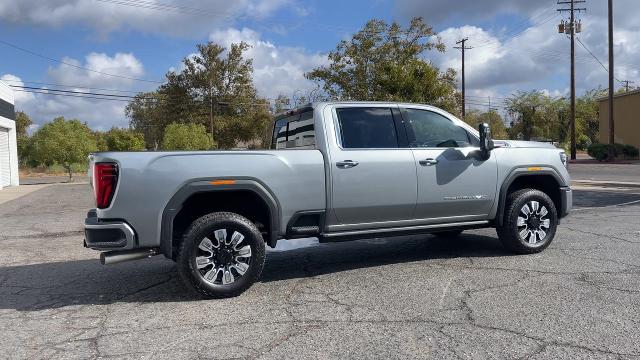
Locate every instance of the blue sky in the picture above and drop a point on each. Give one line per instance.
(516, 44)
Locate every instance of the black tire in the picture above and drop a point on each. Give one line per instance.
(448, 234)
(194, 243)
(511, 234)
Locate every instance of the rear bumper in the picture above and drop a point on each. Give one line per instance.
(107, 235)
(566, 201)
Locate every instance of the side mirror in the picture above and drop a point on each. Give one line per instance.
(486, 143)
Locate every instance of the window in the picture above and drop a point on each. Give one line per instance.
(428, 129)
(362, 128)
(295, 131)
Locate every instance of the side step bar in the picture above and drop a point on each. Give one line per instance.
(402, 231)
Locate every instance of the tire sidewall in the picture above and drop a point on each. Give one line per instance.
(205, 227)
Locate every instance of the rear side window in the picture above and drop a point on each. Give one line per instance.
(428, 129)
(362, 128)
(295, 131)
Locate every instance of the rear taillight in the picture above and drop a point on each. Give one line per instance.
(105, 179)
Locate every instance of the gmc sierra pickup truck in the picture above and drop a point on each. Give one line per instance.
(336, 171)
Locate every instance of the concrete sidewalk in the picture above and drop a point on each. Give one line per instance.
(14, 192)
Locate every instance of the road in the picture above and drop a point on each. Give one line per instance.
(606, 172)
(387, 298)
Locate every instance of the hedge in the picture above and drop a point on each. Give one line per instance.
(601, 151)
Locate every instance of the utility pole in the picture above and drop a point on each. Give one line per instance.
(626, 85)
(463, 48)
(572, 28)
(612, 139)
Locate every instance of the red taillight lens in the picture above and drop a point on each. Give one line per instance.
(105, 178)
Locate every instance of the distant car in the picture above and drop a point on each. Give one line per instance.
(337, 171)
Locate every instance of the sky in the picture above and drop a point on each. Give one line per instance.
(79, 45)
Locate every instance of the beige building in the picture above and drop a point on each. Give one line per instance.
(626, 115)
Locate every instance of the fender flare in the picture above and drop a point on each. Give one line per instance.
(518, 173)
(203, 185)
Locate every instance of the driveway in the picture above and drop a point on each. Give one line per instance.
(387, 298)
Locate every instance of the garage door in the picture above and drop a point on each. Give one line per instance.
(5, 169)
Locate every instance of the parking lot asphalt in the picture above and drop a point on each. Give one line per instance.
(411, 297)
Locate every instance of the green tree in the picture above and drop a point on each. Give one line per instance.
(23, 122)
(65, 142)
(587, 113)
(101, 140)
(537, 115)
(214, 80)
(491, 117)
(124, 140)
(186, 137)
(386, 62)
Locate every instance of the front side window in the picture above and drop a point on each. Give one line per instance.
(362, 128)
(428, 129)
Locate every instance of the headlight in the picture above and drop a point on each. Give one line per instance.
(564, 159)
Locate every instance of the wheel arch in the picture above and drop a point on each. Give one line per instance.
(546, 180)
(197, 191)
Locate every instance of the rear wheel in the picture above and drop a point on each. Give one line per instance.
(222, 254)
(530, 222)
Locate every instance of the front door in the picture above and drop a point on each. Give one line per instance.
(373, 174)
(456, 182)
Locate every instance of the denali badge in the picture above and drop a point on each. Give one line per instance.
(467, 197)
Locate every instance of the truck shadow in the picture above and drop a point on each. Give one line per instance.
(85, 282)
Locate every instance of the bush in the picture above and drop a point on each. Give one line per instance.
(583, 142)
(601, 151)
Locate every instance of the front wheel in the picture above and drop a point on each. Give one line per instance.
(222, 254)
(530, 222)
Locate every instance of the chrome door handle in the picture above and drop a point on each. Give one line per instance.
(347, 164)
(428, 162)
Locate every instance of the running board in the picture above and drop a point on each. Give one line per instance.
(400, 231)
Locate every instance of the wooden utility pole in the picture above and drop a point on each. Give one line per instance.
(612, 139)
(626, 85)
(572, 29)
(463, 48)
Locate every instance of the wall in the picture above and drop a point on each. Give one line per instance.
(626, 115)
(7, 121)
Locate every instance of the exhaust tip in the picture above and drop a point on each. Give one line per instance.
(114, 257)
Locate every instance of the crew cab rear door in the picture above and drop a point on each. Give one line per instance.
(373, 173)
(456, 182)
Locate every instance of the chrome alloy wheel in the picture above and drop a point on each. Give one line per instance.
(533, 222)
(224, 259)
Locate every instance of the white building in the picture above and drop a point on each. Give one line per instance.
(8, 146)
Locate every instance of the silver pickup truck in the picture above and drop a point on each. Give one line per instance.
(336, 171)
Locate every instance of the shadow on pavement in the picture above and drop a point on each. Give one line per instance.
(83, 282)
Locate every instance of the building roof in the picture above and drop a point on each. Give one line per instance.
(6, 93)
(632, 92)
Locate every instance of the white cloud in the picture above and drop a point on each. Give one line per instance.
(535, 56)
(277, 69)
(99, 114)
(176, 17)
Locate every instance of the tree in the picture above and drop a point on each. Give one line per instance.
(186, 137)
(124, 140)
(65, 142)
(537, 115)
(214, 80)
(386, 62)
(587, 113)
(23, 121)
(491, 117)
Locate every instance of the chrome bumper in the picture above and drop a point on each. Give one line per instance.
(107, 235)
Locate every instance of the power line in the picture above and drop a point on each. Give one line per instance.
(74, 65)
(596, 58)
